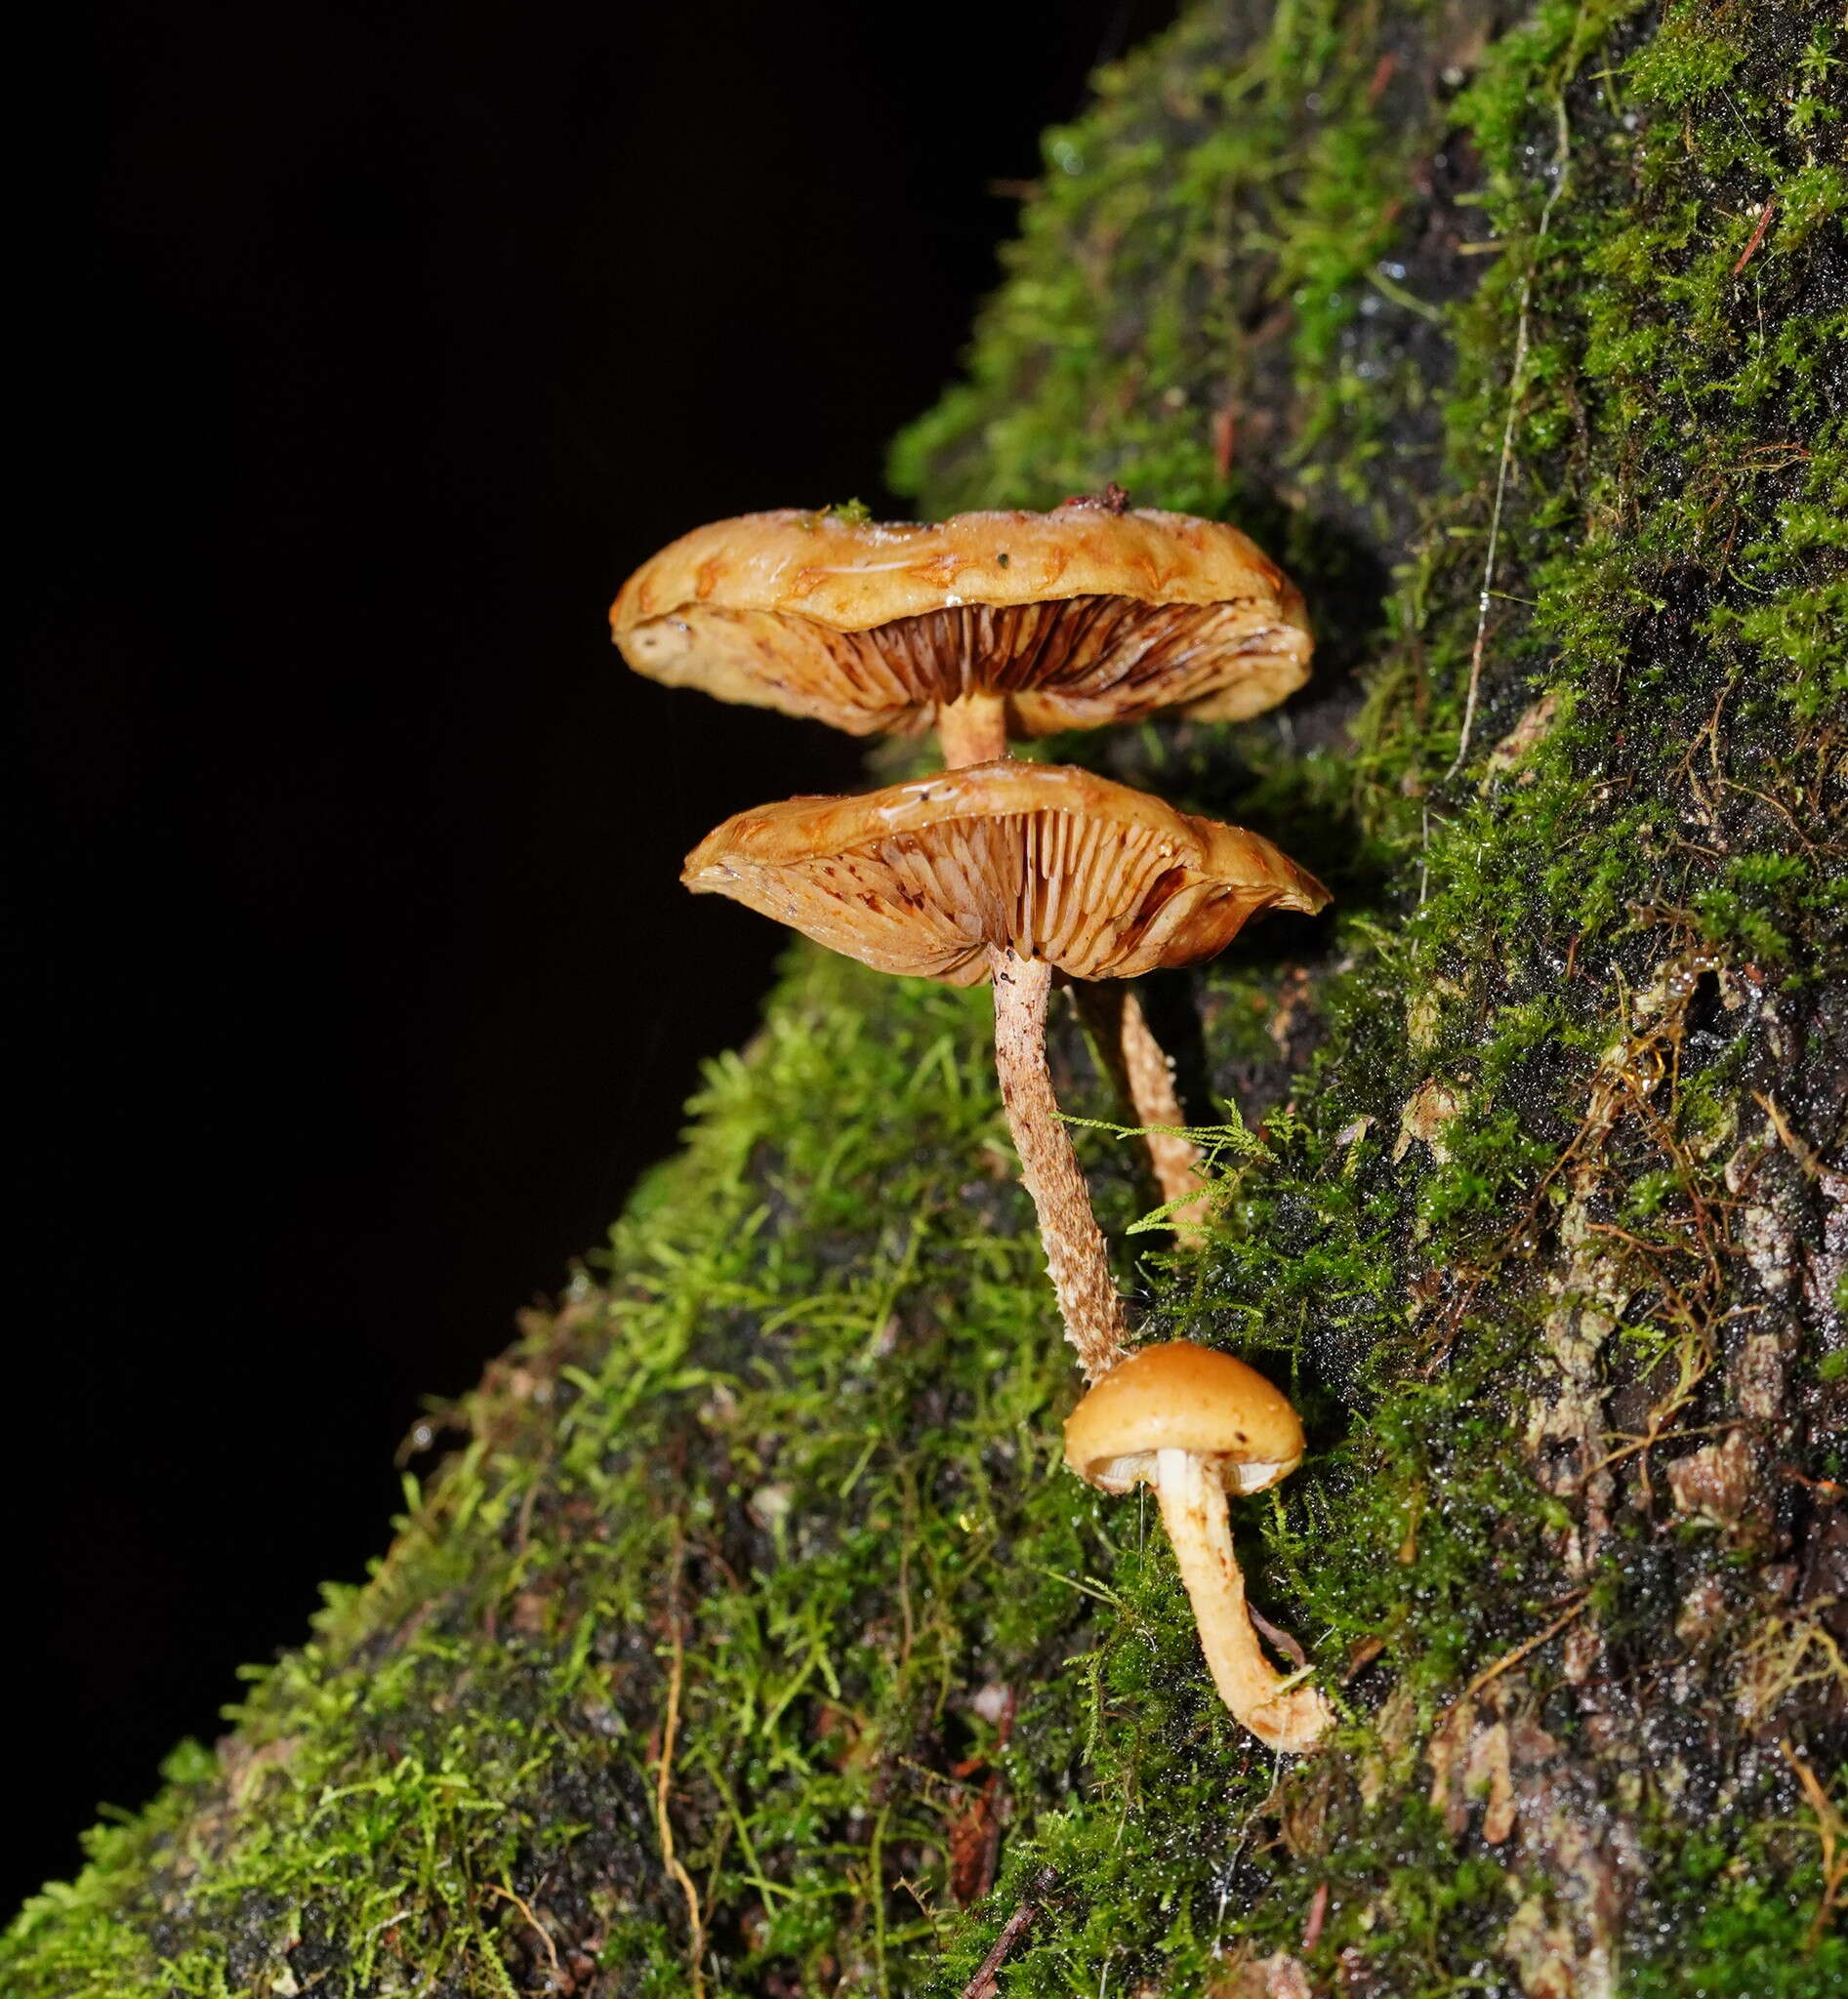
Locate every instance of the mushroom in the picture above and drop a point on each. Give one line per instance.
(1006, 870)
(1196, 1424)
(985, 625)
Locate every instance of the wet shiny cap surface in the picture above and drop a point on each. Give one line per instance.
(1078, 617)
(1181, 1396)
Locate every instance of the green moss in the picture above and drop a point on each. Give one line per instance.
(1741, 1939)
(785, 1462)
(1206, 261)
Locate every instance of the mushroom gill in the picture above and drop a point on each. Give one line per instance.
(1009, 871)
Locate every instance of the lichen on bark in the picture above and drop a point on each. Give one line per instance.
(1517, 333)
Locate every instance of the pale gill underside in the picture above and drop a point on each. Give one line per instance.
(1093, 898)
(1068, 664)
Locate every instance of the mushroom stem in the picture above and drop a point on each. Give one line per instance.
(972, 730)
(1144, 1076)
(1194, 1513)
(1075, 1256)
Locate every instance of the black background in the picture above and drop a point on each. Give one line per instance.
(369, 348)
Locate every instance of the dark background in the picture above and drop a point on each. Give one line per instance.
(369, 349)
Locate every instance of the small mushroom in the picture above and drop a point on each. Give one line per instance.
(1006, 870)
(1196, 1424)
(985, 626)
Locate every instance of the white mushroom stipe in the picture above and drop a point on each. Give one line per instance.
(1194, 1513)
(972, 730)
(1192, 1422)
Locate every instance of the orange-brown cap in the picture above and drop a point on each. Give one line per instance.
(1183, 1397)
(1078, 617)
(1041, 859)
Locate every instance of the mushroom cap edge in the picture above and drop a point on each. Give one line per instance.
(855, 576)
(1179, 1395)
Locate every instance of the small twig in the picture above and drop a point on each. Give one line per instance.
(1808, 845)
(1639, 1242)
(1828, 1491)
(1514, 1657)
(526, 1909)
(1633, 1443)
(1318, 1914)
(1807, 1162)
(1281, 1640)
(1757, 235)
(664, 1777)
(982, 1984)
(1515, 387)
(1828, 1833)
(523, 1532)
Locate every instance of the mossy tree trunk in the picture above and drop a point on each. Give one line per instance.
(752, 1641)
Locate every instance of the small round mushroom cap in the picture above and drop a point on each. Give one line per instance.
(1183, 1396)
(1078, 617)
(1041, 859)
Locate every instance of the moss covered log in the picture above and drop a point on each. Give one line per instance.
(751, 1639)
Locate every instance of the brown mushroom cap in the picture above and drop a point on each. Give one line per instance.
(1040, 859)
(1183, 1397)
(1078, 617)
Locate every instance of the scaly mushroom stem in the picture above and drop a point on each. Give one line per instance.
(972, 730)
(1144, 1076)
(1075, 1256)
(1194, 1512)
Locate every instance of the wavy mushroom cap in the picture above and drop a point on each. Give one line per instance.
(1183, 1397)
(1041, 859)
(1078, 617)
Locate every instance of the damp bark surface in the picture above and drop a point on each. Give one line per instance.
(1515, 333)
